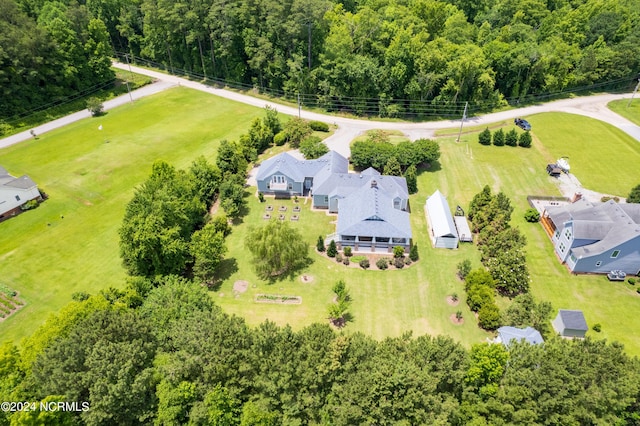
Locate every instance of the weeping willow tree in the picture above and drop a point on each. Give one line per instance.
(277, 249)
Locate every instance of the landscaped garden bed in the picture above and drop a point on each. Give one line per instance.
(279, 299)
(9, 302)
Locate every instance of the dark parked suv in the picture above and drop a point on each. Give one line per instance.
(522, 123)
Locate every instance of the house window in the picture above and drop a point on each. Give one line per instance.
(365, 239)
(615, 254)
(278, 179)
(382, 239)
(399, 240)
(326, 198)
(348, 238)
(396, 204)
(598, 263)
(17, 198)
(573, 258)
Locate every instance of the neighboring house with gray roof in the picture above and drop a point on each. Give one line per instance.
(372, 208)
(596, 237)
(14, 192)
(440, 221)
(570, 323)
(506, 334)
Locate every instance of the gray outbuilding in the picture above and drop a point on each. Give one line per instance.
(570, 323)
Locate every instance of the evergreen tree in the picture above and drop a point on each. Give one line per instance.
(511, 138)
(412, 179)
(332, 250)
(484, 137)
(320, 244)
(392, 168)
(498, 137)
(525, 140)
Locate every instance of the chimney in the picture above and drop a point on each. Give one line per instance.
(374, 184)
(577, 196)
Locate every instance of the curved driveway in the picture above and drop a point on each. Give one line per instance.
(349, 128)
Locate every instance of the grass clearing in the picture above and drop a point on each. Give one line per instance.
(70, 242)
(630, 112)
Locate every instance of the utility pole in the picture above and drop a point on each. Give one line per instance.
(126, 55)
(634, 92)
(464, 117)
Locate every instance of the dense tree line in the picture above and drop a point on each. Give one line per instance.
(387, 57)
(501, 246)
(160, 352)
(48, 51)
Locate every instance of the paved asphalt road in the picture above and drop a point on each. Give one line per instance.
(348, 128)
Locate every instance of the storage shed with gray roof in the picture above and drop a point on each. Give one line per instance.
(507, 334)
(570, 323)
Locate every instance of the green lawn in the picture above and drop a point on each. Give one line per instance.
(70, 242)
(630, 112)
(391, 302)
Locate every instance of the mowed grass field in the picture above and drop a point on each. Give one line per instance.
(391, 302)
(629, 111)
(70, 242)
(47, 257)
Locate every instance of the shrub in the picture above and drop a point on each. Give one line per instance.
(484, 137)
(632, 281)
(525, 140)
(597, 328)
(280, 138)
(347, 251)
(382, 264)
(364, 263)
(340, 289)
(464, 268)
(29, 205)
(413, 253)
(454, 297)
(532, 215)
(338, 258)
(511, 138)
(261, 197)
(458, 315)
(498, 137)
(607, 198)
(398, 251)
(80, 296)
(320, 244)
(638, 291)
(312, 147)
(95, 106)
(346, 261)
(407, 261)
(319, 126)
(332, 250)
(489, 316)
(399, 262)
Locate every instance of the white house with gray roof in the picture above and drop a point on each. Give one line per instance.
(372, 208)
(596, 237)
(14, 192)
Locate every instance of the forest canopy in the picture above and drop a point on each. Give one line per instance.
(382, 57)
